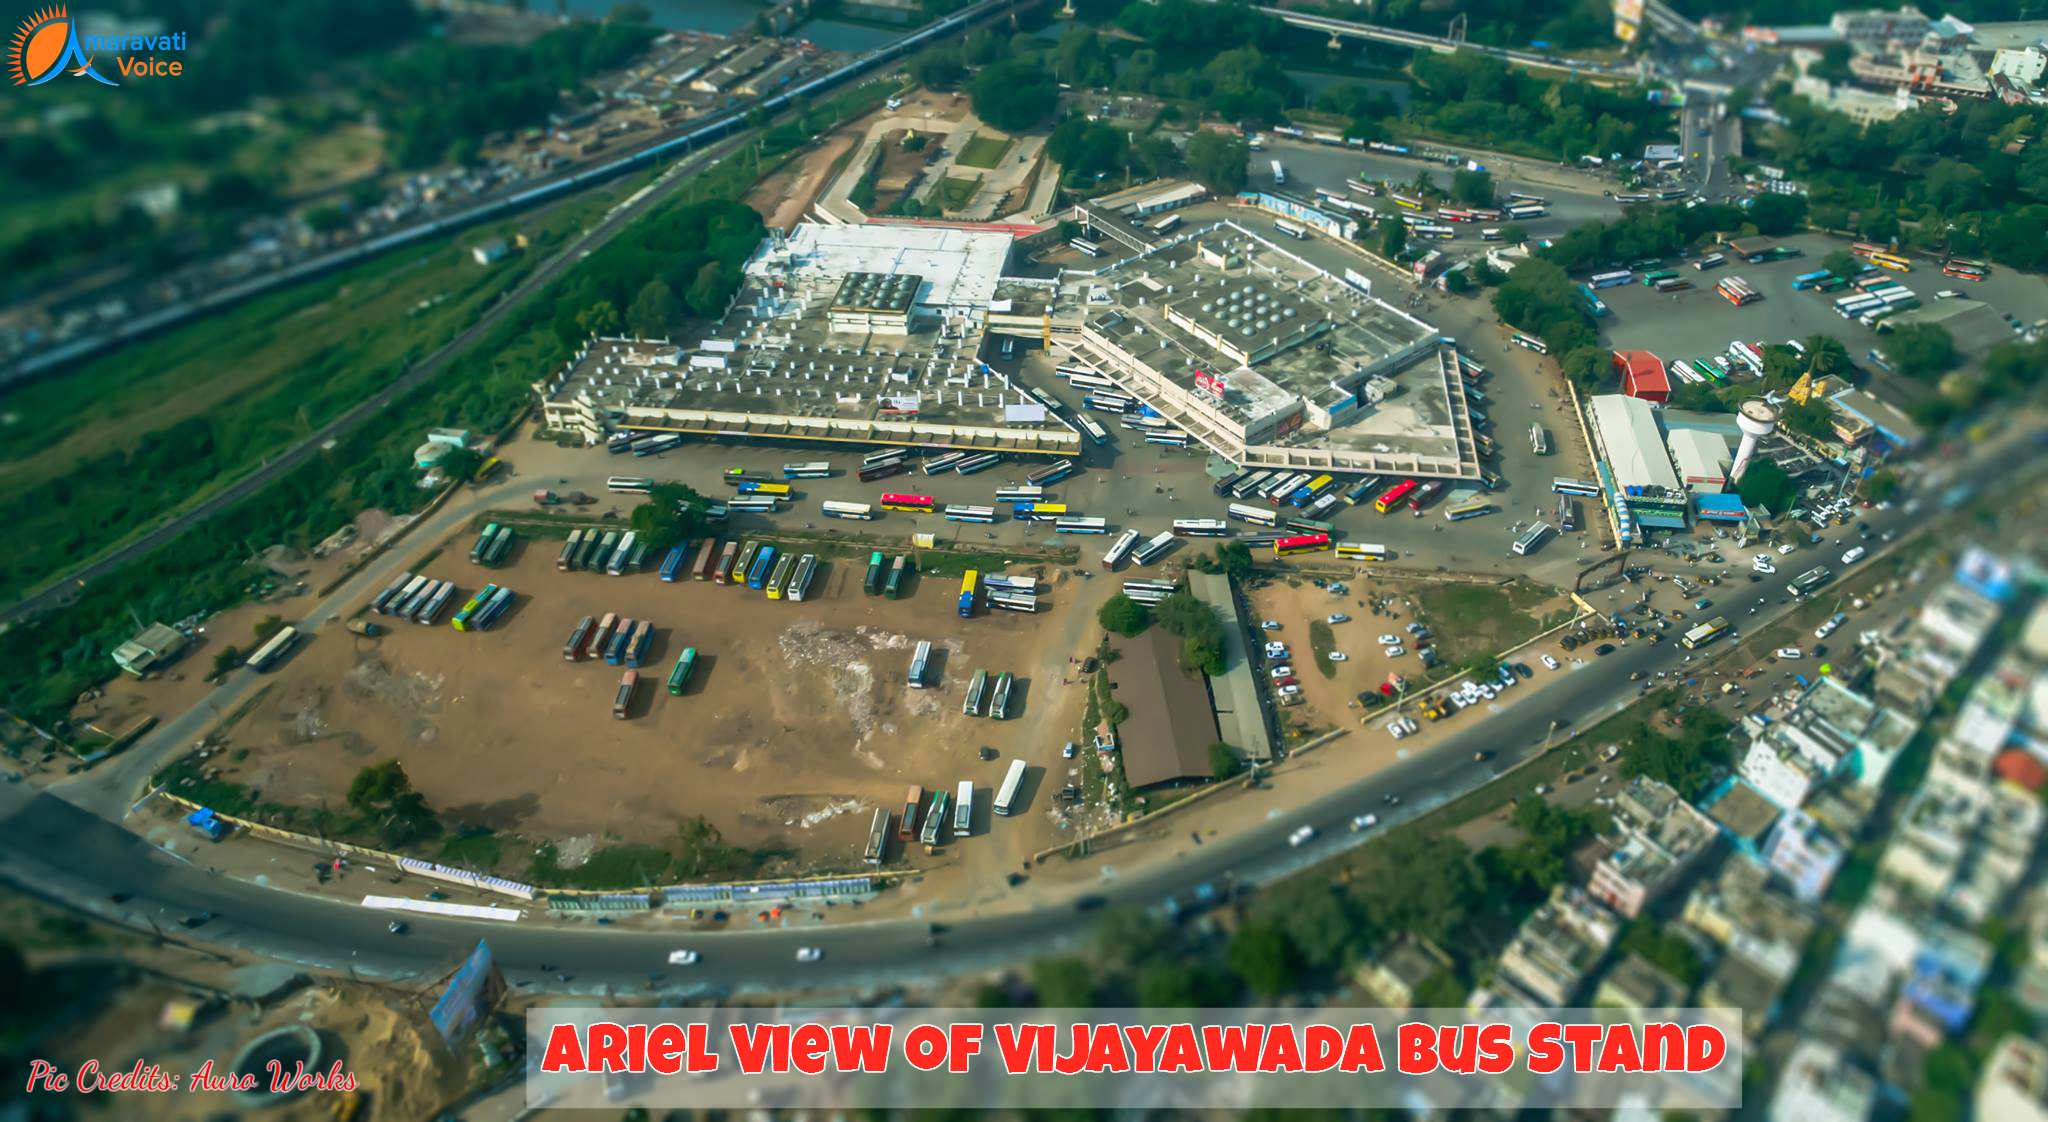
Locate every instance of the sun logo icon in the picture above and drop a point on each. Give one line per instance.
(46, 45)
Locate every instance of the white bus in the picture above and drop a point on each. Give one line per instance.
(1167, 439)
(1530, 342)
(1095, 432)
(630, 484)
(1090, 381)
(947, 462)
(1531, 539)
(1363, 551)
(1279, 174)
(1539, 439)
(963, 809)
(859, 512)
(954, 512)
(1006, 795)
(818, 469)
(266, 656)
(1022, 493)
(1257, 516)
(1121, 549)
(1155, 549)
(1080, 526)
(1201, 527)
(1290, 229)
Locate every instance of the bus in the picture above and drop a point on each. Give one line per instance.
(1805, 281)
(968, 588)
(630, 484)
(1167, 439)
(1567, 514)
(1006, 795)
(275, 648)
(1301, 525)
(1121, 548)
(778, 577)
(947, 462)
(1470, 508)
(1809, 580)
(1539, 439)
(1103, 401)
(1290, 229)
(817, 469)
(1279, 174)
(1027, 493)
(623, 700)
(1525, 212)
(878, 567)
(1085, 247)
(1609, 280)
(1038, 512)
(908, 504)
(954, 512)
(1705, 633)
(656, 445)
(1362, 551)
(975, 686)
(1519, 197)
(1564, 486)
(1089, 381)
(1360, 491)
(573, 649)
(679, 677)
(858, 512)
(1531, 539)
(1675, 284)
(982, 462)
(1163, 223)
(1080, 526)
(431, 609)
(1301, 543)
(721, 569)
(1651, 278)
(963, 803)
(999, 700)
(1593, 302)
(1405, 202)
(672, 563)
(912, 802)
(1201, 527)
(1529, 342)
(1310, 491)
(920, 664)
(1250, 484)
(1222, 486)
(1154, 549)
(471, 607)
(764, 564)
(868, 473)
(1392, 498)
(1096, 433)
(1425, 495)
(1257, 516)
(735, 476)
(707, 556)
(1050, 474)
(884, 455)
(878, 838)
(1715, 261)
(899, 570)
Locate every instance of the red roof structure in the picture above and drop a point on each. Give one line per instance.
(2017, 767)
(1642, 375)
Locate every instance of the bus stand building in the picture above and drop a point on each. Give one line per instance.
(156, 645)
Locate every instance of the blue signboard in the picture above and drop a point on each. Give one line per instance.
(473, 989)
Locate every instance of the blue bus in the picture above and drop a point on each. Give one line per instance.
(1593, 303)
(764, 561)
(1807, 280)
(673, 563)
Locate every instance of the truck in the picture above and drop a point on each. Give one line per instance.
(623, 700)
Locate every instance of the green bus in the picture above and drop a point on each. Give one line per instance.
(898, 569)
(680, 676)
(878, 571)
(1650, 279)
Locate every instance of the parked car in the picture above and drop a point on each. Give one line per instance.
(1396, 651)
(1603, 650)
(1301, 836)
(1549, 663)
(682, 958)
(1339, 656)
(1388, 638)
(1281, 671)
(1269, 625)
(1364, 822)
(1337, 617)
(1789, 652)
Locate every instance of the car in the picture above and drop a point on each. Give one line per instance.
(1785, 550)
(1269, 625)
(1702, 604)
(397, 927)
(1337, 617)
(1388, 638)
(1396, 729)
(1290, 681)
(1396, 651)
(1339, 656)
(1301, 836)
(1364, 822)
(1549, 663)
(1522, 668)
(1290, 690)
(1603, 650)
(1789, 652)
(1391, 800)
(1763, 564)
(1067, 753)
(1947, 294)
(1281, 671)
(682, 958)
(1415, 628)
(1854, 555)
(809, 954)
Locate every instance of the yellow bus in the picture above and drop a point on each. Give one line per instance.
(1363, 551)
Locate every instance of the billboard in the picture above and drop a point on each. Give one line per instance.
(472, 990)
(1628, 19)
(1210, 382)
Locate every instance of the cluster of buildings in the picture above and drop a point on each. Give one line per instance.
(1903, 58)
(1740, 879)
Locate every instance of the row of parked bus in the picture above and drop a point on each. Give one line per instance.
(493, 542)
(619, 641)
(990, 693)
(417, 598)
(597, 550)
(926, 816)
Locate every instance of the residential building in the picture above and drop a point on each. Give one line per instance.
(1819, 1084)
(2014, 1085)
(1803, 852)
(1751, 917)
(157, 644)
(1652, 857)
(1559, 945)
(1392, 977)
(1639, 988)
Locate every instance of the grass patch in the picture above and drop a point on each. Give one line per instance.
(954, 193)
(1321, 641)
(1476, 620)
(984, 151)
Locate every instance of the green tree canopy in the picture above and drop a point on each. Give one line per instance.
(1218, 161)
(1920, 350)
(1122, 615)
(1014, 94)
(1765, 484)
(672, 513)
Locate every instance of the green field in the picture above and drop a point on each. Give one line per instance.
(956, 193)
(1475, 620)
(984, 151)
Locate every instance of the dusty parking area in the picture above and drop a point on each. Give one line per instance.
(797, 722)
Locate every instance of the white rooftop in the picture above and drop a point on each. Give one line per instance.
(1700, 454)
(959, 267)
(1634, 446)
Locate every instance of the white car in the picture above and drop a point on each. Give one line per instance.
(1854, 555)
(1281, 671)
(1947, 294)
(1269, 625)
(1396, 651)
(1289, 691)
(1763, 564)
(1364, 822)
(1301, 836)
(682, 958)
(1789, 652)
(1785, 550)
(1549, 663)
(809, 954)
(1396, 729)
(1337, 617)
(1339, 656)
(1388, 638)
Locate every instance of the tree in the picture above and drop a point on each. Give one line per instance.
(1920, 350)
(1393, 235)
(654, 311)
(1234, 559)
(1514, 233)
(1223, 761)
(267, 627)
(1473, 188)
(1218, 161)
(1778, 214)
(1765, 484)
(1588, 368)
(938, 69)
(1014, 94)
(1260, 954)
(671, 513)
(1882, 485)
(1122, 615)
(1066, 982)
(224, 660)
(459, 464)
(379, 785)
(1841, 262)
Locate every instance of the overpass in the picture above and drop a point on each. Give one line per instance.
(1414, 40)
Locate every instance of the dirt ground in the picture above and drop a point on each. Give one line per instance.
(786, 196)
(900, 168)
(796, 723)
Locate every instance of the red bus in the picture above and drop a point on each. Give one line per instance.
(1392, 498)
(912, 504)
(1304, 543)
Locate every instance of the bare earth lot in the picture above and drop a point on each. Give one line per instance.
(796, 724)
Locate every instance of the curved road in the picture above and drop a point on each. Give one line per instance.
(64, 851)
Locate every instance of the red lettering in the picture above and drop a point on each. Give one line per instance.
(1282, 1052)
(1182, 1053)
(862, 1047)
(564, 1051)
(925, 1047)
(1663, 1047)
(1362, 1050)
(1145, 1041)
(963, 1043)
(1544, 1055)
(607, 1047)
(1233, 1047)
(1415, 1044)
(1322, 1045)
(808, 1045)
(760, 1048)
(1496, 1048)
(1023, 1047)
(1705, 1047)
(1618, 1052)
(1106, 1050)
(1582, 1039)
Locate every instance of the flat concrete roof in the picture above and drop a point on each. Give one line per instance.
(957, 268)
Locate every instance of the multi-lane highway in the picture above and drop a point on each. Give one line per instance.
(56, 848)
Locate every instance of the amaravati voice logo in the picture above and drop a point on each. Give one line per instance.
(45, 46)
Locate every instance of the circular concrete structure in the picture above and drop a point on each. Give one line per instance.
(1757, 419)
(287, 1048)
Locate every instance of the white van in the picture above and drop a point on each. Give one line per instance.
(1854, 555)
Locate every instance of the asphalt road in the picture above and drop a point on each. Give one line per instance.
(424, 371)
(64, 852)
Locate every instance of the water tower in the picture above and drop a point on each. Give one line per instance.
(1757, 419)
